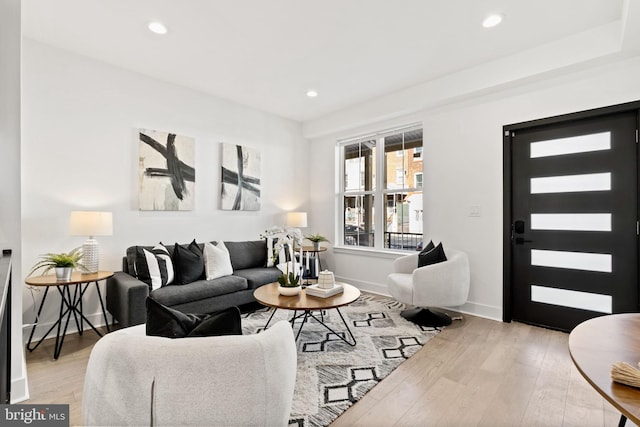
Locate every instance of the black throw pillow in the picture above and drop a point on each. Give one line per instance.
(188, 263)
(163, 321)
(223, 322)
(433, 256)
(427, 248)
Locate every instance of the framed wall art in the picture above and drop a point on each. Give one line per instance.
(240, 178)
(166, 171)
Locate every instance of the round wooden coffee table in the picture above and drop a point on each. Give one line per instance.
(268, 295)
(598, 343)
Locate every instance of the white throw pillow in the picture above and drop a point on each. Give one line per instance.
(217, 261)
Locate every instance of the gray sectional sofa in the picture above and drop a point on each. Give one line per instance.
(126, 294)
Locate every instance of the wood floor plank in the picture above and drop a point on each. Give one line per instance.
(546, 406)
(584, 406)
(476, 372)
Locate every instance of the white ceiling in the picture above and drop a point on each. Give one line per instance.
(267, 53)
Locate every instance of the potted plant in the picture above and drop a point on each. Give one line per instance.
(316, 239)
(289, 284)
(63, 262)
(286, 239)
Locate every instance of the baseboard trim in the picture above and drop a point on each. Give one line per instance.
(375, 288)
(97, 319)
(481, 310)
(19, 389)
(470, 307)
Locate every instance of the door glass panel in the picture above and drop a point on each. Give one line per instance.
(571, 183)
(574, 299)
(571, 222)
(572, 260)
(571, 145)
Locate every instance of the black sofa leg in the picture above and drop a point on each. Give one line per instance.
(426, 317)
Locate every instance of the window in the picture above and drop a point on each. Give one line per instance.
(400, 177)
(395, 194)
(418, 179)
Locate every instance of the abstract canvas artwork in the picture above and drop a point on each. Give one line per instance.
(240, 178)
(166, 171)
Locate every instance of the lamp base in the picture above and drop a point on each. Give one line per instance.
(91, 255)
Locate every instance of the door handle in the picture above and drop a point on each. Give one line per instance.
(521, 241)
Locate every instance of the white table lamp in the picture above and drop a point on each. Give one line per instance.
(90, 223)
(297, 219)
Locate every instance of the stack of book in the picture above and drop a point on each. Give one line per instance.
(316, 291)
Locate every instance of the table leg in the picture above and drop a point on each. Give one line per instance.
(58, 324)
(270, 317)
(353, 339)
(33, 328)
(81, 330)
(82, 316)
(304, 320)
(74, 304)
(70, 308)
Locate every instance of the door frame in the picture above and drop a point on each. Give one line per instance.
(507, 130)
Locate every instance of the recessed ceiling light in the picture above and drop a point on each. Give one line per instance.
(312, 93)
(157, 27)
(492, 20)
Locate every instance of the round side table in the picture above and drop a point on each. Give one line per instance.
(70, 304)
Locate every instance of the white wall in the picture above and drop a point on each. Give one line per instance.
(10, 178)
(463, 168)
(80, 151)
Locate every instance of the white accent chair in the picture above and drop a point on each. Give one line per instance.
(240, 380)
(445, 284)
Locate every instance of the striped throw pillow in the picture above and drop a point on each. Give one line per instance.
(154, 267)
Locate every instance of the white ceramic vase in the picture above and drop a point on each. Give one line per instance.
(289, 291)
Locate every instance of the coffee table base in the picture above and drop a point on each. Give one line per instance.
(306, 314)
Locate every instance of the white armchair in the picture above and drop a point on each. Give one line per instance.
(445, 284)
(240, 380)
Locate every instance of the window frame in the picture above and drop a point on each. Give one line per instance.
(379, 192)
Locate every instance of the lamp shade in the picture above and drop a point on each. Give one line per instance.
(297, 219)
(90, 223)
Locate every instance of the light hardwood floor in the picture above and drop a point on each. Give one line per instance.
(477, 372)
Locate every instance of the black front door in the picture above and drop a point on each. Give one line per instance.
(573, 237)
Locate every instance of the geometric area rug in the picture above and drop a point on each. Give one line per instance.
(332, 375)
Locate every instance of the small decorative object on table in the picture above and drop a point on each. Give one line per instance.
(316, 239)
(283, 243)
(326, 286)
(317, 291)
(289, 284)
(326, 279)
(63, 262)
(624, 373)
